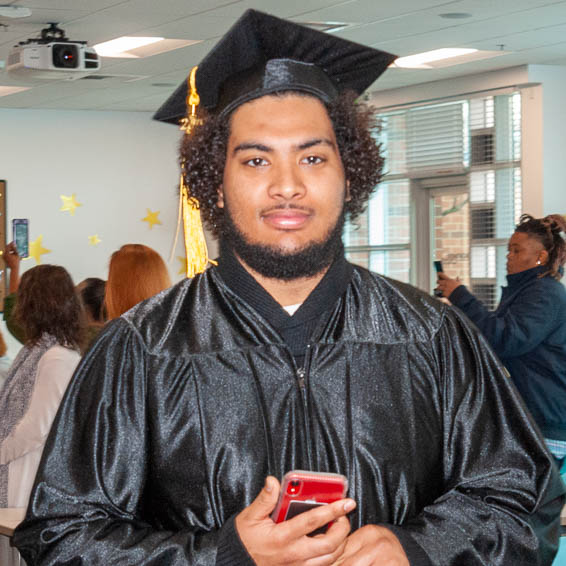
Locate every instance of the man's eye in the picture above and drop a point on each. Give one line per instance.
(256, 162)
(313, 160)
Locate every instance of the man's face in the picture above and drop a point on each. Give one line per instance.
(284, 185)
(523, 253)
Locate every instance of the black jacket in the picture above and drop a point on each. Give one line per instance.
(528, 332)
(188, 401)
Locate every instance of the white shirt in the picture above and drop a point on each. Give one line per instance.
(23, 447)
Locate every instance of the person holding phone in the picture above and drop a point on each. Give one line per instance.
(12, 260)
(190, 407)
(527, 330)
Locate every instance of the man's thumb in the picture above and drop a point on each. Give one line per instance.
(265, 502)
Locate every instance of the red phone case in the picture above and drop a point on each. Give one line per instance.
(302, 490)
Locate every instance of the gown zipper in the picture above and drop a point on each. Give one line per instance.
(302, 375)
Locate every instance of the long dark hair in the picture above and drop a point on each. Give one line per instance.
(48, 304)
(547, 231)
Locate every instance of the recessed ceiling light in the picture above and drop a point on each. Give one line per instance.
(16, 12)
(423, 60)
(6, 90)
(447, 57)
(456, 15)
(136, 47)
(328, 27)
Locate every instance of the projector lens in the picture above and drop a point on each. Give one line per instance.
(65, 56)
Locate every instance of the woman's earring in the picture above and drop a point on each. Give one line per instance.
(538, 261)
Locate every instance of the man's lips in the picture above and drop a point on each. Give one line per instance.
(286, 219)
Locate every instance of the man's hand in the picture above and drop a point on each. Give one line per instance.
(287, 543)
(446, 284)
(373, 546)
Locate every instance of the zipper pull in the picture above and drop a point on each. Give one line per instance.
(301, 377)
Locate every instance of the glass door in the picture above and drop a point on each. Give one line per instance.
(450, 232)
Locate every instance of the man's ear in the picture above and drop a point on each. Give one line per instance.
(348, 196)
(220, 199)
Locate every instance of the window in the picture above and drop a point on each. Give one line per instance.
(379, 239)
(477, 139)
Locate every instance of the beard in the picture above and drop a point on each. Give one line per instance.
(273, 262)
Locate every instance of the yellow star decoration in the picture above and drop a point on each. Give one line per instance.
(152, 218)
(36, 250)
(69, 204)
(94, 240)
(183, 268)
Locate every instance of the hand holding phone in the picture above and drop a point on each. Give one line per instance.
(281, 543)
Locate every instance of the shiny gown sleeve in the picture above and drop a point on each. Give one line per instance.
(86, 506)
(502, 494)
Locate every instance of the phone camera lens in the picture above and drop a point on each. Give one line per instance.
(293, 487)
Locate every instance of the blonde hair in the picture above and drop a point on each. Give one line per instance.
(136, 272)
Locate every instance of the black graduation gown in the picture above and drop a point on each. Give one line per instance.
(188, 401)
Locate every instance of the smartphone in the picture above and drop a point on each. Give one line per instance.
(302, 490)
(20, 232)
(439, 269)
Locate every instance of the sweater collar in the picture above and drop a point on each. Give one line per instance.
(330, 288)
(517, 279)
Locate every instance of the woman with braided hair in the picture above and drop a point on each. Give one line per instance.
(528, 328)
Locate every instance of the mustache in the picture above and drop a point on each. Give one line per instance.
(286, 206)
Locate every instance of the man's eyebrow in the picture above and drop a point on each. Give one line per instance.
(317, 141)
(251, 145)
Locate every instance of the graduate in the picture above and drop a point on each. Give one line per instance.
(189, 409)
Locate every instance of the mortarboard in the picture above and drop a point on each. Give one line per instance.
(261, 54)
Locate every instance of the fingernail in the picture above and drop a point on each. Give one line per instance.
(349, 505)
(268, 487)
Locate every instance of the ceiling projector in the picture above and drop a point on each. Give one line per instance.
(53, 56)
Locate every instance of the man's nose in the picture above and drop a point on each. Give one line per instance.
(287, 182)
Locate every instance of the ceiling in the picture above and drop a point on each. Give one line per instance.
(530, 31)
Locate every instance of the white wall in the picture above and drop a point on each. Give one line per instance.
(553, 81)
(117, 163)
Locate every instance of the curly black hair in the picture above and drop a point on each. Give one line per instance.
(203, 155)
(547, 231)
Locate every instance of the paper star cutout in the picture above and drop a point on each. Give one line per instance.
(151, 218)
(36, 250)
(69, 204)
(94, 240)
(183, 268)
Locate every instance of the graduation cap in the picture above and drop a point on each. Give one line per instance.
(261, 54)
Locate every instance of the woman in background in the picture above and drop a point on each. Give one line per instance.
(528, 328)
(91, 291)
(50, 312)
(136, 273)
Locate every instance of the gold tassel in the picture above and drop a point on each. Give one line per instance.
(195, 243)
(193, 100)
